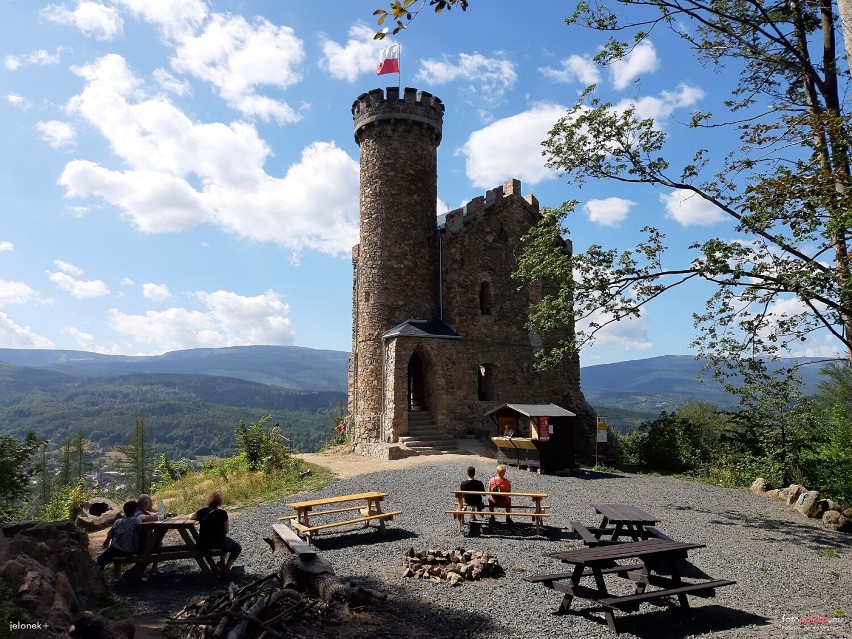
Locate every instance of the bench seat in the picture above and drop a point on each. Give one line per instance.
(631, 602)
(293, 541)
(487, 513)
(366, 519)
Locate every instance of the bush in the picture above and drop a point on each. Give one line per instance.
(66, 502)
(262, 450)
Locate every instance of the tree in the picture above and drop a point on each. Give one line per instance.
(140, 458)
(402, 12)
(17, 465)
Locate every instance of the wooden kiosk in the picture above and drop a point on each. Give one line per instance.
(536, 436)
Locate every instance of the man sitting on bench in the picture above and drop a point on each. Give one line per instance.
(472, 502)
(500, 484)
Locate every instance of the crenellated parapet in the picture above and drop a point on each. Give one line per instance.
(478, 206)
(414, 107)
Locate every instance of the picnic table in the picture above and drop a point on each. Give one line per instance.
(152, 551)
(625, 521)
(368, 508)
(645, 556)
(535, 511)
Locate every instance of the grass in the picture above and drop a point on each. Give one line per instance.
(240, 488)
(828, 552)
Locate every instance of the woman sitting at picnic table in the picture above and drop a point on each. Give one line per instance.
(500, 484)
(122, 540)
(213, 530)
(145, 512)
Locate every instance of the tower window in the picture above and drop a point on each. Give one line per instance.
(485, 383)
(486, 299)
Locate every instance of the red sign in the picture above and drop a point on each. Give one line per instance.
(543, 429)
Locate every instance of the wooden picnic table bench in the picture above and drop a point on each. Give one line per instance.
(154, 552)
(368, 511)
(620, 522)
(603, 560)
(535, 511)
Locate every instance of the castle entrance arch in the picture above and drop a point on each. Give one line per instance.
(416, 383)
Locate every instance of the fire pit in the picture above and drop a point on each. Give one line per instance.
(450, 566)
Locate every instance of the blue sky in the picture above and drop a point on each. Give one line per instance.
(182, 173)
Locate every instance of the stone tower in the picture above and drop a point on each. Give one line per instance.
(395, 267)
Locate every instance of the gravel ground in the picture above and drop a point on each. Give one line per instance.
(789, 572)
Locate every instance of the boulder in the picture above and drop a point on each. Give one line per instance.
(835, 520)
(759, 486)
(808, 504)
(773, 494)
(793, 492)
(50, 572)
(97, 513)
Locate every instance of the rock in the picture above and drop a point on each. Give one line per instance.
(759, 486)
(793, 492)
(773, 494)
(92, 626)
(50, 572)
(807, 504)
(97, 513)
(835, 520)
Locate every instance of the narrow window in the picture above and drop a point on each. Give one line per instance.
(485, 299)
(485, 383)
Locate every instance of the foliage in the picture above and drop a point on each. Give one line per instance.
(400, 10)
(66, 502)
(262, 450)
(784, 191)
(17, 466)
(139, 465)
(167, 471)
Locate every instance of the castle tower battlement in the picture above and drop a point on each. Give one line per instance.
(478, 206)
(415, 107)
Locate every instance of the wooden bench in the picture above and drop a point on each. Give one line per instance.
(293, 541)
(370, 510)
(536, 514)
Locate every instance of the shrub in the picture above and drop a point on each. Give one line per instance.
(66, 502)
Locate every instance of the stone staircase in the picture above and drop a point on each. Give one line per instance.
(424, 437)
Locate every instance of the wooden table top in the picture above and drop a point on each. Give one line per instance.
(487, 492)
(624, 550)
(178, 521)
(624, 514)
(336, 500)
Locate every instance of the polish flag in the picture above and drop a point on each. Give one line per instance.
(388, 60)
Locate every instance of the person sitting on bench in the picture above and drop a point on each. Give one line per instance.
(472, 502)
(500, 484)
(213, 527)
(123, 538)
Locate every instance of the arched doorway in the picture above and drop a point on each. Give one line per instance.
(416, 383)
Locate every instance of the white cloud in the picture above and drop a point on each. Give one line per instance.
(36, 58)
(492, 76)
(14, 99)
(156, 292)
(6, 246)
(609, 211)
(85, 341)
(175, 18)
(641, 59)
(630, 333)
(237, 57)
(12, 292)
(511, 148)
(658, 107)
(359, 56)
(172, 84)
(574, 68)
(57, 134)
(165, 156)
(229, 319)
(66, 281)
(13, 335)
(93, 19)
(688, 209)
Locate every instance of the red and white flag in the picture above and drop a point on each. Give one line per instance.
(388, 60)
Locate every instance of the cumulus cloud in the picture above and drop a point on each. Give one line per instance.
(176, 19)
(12, 292)
(357, 57)
(14, 99)
(492, 77)
(66, 279)
(179, 173)
(156, 292)
(57, 134)
(630, 333)
(641, 59)
(36, 58)
(228, 319)
(85, 341)
(609, 211)
(237, 57)
(13, 335)
(688, 209)
(93, 19)
(511, 148)
(6, 246)
(658, 107)
(574, 68)
(172, 84)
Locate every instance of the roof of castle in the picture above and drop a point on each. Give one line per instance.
(422, 328)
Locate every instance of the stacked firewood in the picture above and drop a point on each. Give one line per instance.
(451, 566)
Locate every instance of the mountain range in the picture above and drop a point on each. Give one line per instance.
(193, 399)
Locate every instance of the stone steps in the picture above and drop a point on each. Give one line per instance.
(424, 436)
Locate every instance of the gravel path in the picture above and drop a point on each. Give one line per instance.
(788, 572)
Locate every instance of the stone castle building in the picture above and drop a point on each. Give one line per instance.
(438, 322)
